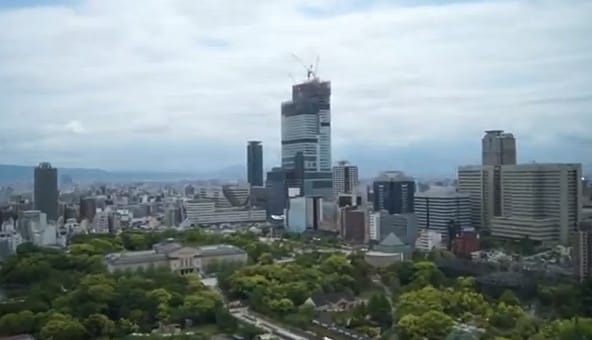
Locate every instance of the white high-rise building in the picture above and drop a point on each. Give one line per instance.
(435, 210)
(540, 201)
(374, 226)
(470, 181)
(345, 179)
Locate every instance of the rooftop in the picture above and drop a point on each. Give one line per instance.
(442, 194)
(133, 257)
(220, 249)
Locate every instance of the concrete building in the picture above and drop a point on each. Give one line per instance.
(304, 213)
(428, 240)
(10, 239)
(349, 200)
(205, 212)
(404, 226)
(582, 250)
(255, 163)
(498, 148)
(466, 243)
(101, 222)
(277, 192)
(306, 129)
(345, 179)
(394, 192)
(374, 226)
(179, 259)
(470, 181)
(172, 216)
(540, 201)
(381, 224)
(435, 210)
(46, 190)
(31, 223)
(236, 195)
(388, 251)
(88, 208)
(352, 225)
(258, 197)
(189, 191)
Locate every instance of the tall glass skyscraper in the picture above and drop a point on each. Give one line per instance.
(306, 128)
(255, 163)
(46, 190)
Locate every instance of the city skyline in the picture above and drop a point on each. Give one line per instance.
(116, 101)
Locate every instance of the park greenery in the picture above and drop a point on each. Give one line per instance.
(56, 294)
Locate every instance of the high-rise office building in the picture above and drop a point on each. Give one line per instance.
(255, 163)
(498, 148)
(306, 128)
(483, 184)
(46, 190)
(540, 201)
(352, 225)
(394, 192)
(582, 250)
(470, 181)
(435, 210)
(88, 208)
(277, 192)
(345, 179)
(304, 213)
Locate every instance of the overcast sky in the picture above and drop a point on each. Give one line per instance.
(183, 84)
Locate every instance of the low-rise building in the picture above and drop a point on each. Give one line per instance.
(180, 259)
(465, 244)
(332, 302)
(387, 252)
(205, 212)
(428, 240)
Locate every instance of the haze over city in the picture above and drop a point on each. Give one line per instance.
(181, 85)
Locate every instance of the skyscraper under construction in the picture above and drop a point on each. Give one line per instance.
(306, 128)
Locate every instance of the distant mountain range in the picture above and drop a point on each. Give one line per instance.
(23, 173)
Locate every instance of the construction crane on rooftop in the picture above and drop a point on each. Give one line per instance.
(312, 70)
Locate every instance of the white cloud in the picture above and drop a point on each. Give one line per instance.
(119, 74)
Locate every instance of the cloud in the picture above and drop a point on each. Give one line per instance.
(122, 78)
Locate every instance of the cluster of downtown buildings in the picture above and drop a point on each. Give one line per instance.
(543, 202)
(308, 192)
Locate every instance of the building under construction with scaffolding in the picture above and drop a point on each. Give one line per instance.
(306, 135)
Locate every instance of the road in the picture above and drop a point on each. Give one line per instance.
(245, 315)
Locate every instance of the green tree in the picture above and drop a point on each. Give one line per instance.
(431, 325)
(576, 328)
(225, 321)
(265, 258)
(60, 326)
(17, 323)
(98, 325)
(509, 298)
(380, 310)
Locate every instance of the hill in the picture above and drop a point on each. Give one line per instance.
(23, 173)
